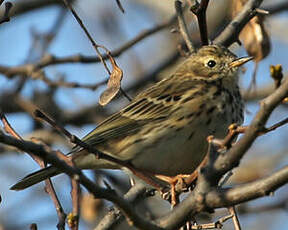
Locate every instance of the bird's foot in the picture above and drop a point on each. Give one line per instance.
(177, 185)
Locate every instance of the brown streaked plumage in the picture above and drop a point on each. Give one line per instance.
(163, 130)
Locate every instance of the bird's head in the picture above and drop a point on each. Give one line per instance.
(211, 63)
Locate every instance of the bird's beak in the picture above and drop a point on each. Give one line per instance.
(240, 61)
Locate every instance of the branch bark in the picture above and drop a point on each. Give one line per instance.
(231, 32)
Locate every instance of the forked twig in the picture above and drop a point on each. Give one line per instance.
(8, 128)
(200, 11)
(73, 217)
(33, 226)
(94, 44)
(231, 32)
(235, 218)
(48, 184)
(216, 225)
(120, 6)
(5, 17)
(182, 26)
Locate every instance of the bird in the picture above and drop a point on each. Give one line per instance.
(163, 130)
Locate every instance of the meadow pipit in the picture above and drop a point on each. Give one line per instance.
(163, 130)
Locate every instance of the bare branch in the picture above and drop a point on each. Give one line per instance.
(200, 11)
(101, 193)
(6, 17)
(235, 219)
(182, 26)
(94, 44)
(277, 8)
(49, 186)
(231, 32)
(134, 194)
(219, 198)
(120, 6)
(246, 192)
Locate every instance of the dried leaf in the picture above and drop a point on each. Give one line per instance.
(254, 35)
(113, 85)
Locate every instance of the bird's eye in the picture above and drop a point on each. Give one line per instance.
(211, 63)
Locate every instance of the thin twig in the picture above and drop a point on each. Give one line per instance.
(34, 69)
(182, 26)
(216, 225)
(73, 218)
(231, 32)
(49, 186)
(75, 194)
(65, 84)
(277, 8)
(8, 128)
(235, 218)
(74, 139)
(94, 44)
(225, 178)
(52, 158)
(33, 226)
(200, 11)
(275, 126)
(120, 6)
(134, 195)
(5, 17)
(125, 94)
(43, 41)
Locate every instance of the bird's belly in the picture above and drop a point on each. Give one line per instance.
(176, 156)
(178, 151)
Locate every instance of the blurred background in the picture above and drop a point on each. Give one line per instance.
(39, 28)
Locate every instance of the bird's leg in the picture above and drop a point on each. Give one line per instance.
(146, 177)
(177, 183)
(189, 180)
(225, 143)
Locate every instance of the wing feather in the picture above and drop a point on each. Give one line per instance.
(151, 105)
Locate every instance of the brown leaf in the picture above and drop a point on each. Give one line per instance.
(254, 35)
(113, 85)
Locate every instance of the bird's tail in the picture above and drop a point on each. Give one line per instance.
(35, 178)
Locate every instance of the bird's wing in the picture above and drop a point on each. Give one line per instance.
(154, 104)
(128, 120)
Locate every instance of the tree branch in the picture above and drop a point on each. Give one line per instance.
(76, 174)
(231, 32)
(200, 11)
(182, 26)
